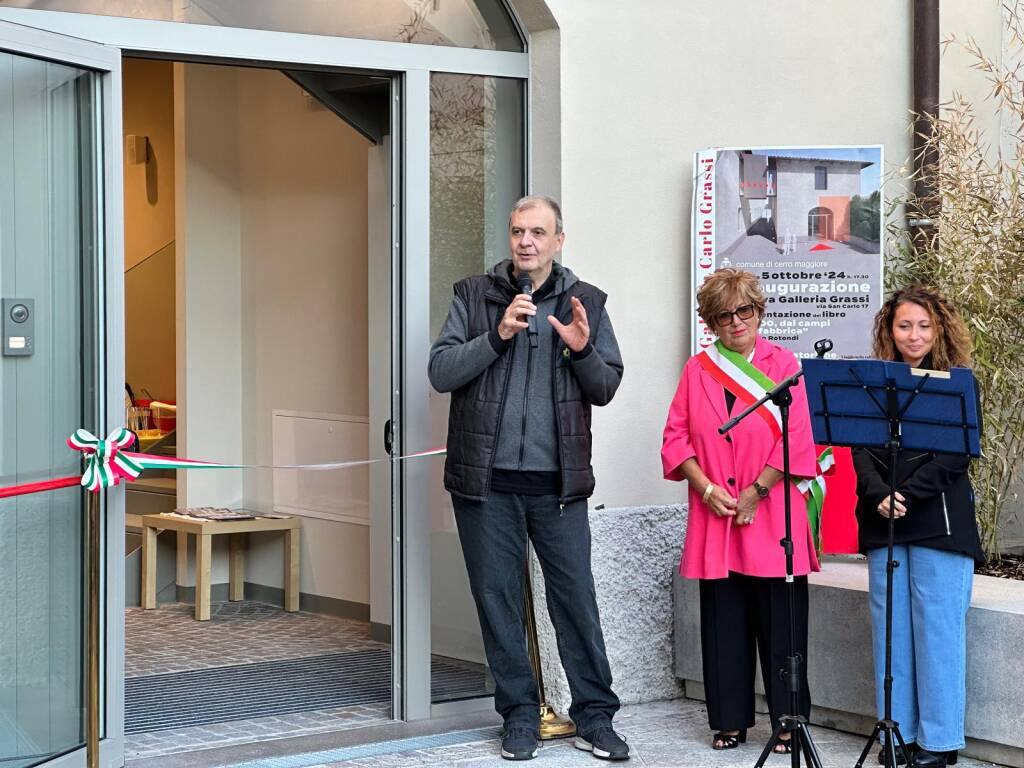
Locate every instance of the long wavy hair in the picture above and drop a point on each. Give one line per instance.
(952, 347)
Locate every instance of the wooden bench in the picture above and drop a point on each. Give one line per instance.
(204, 531)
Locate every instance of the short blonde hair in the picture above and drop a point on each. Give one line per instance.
(721, 286)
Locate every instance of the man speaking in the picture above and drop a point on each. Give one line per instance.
(525, 351)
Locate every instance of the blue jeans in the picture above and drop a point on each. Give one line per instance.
(931, 594)
(493, 535)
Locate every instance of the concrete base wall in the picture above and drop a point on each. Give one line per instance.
(635, 551)
(841, 668)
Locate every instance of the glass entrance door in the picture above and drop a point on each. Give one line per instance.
(479, 126)
(475, 174)
(51, 251)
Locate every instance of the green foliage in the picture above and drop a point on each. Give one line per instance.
(866, 216)
(975, 256)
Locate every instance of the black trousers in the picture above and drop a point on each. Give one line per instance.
(493, 535)
(740, 616)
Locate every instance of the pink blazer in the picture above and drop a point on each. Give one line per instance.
(713, 545)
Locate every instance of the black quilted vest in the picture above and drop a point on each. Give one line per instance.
(475, 414)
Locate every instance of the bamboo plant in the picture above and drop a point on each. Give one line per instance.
(974, 254)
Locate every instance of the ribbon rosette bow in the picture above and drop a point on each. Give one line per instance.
(106, 462)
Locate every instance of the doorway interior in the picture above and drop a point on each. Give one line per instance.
(258, 331)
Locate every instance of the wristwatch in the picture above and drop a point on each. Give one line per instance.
(762, 491)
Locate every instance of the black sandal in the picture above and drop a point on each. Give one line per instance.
(783, 746)
(728, 740)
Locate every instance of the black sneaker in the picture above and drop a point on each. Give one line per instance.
(605, 743)
(519, 744)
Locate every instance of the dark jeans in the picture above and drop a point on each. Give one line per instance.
(741, 616)
(493, 535)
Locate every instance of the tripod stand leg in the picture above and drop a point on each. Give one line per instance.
(889, 749)
(770, 746)
(872, 740)
(801, 744)
(892, 740)
(903, 747)
(810, 751)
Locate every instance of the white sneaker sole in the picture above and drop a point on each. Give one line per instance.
(586, 746)
(512, 756)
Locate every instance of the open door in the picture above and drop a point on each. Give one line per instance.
(59, 232)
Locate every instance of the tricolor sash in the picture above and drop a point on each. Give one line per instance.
(739, 376)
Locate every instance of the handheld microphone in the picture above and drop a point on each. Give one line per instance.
(525, 285)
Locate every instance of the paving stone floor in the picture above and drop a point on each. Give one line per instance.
(168, 639)
(663, 734)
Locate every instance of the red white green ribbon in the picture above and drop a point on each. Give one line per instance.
(150, 461)
(107, 463)
(738, 375)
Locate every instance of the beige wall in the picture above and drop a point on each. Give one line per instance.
(148, 189)
(630, 124)
(273, 256)
(209, 258)
(304, 302)
(148, 110)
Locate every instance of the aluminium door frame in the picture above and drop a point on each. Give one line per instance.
(276, 49)
(410, 66)
(25, 40)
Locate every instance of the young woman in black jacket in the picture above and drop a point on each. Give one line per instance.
(937, 544)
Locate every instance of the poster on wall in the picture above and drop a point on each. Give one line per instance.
(808, 222)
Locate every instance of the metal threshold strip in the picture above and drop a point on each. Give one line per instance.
(342, 754)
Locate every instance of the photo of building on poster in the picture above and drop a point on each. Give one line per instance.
(808, 222)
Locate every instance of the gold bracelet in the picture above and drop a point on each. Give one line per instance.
(707, 492)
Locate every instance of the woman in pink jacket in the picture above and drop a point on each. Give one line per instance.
(736, 506)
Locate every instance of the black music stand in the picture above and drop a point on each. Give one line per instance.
(793, 724)
(882, 404)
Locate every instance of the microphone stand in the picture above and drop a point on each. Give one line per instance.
(793, 724)
(887, 726)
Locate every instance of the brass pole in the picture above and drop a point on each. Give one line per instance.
(92, 641)
(552, 724)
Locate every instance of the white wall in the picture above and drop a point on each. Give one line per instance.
(983, 21)
(208, 295)
(274, 218)
(642, 86)
(304, 304)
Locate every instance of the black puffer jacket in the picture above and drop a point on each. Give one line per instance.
(939, 501)
(470, 361)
